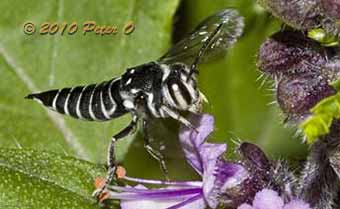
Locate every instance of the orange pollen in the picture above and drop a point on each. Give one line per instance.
(103, 196)
(120, 172)
(99, 182)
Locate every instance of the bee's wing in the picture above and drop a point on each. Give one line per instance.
(221, 30)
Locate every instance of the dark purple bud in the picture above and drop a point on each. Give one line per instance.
(296, 95)
(237, 183)
(254, 155)
(232, 187)
(255, 176)
(289, 52)
(241, 188)
(299, 14)
(257, 164)
(331, 8)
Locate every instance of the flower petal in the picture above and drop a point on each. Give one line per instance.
(195, 202)
(148, 204)
(245, 206)
(219, 177)
(267, 199)
(143, 203)
(191, 140)
(297, 204)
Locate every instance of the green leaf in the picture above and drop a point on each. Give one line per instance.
(31, 63)
(336, 85)
(321, 36)
(323, 114)
(36, 179)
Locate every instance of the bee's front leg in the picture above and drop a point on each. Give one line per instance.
(154, 152)
(175, 115)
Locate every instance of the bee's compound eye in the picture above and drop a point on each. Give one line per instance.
(180, 94)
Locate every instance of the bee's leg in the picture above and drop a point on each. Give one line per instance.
(175, 115)
(152, 151)
(111, 158)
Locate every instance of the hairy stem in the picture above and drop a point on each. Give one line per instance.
(319, 183)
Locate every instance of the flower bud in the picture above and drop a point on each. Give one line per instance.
(301, 14)
(254, 173)
(331, 8)
(296, 95)
(289, 52)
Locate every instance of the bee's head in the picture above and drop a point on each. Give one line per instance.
(179, 67)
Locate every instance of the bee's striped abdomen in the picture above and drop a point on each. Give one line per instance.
(84, 102)
(46, 98)
(59, 103)
(97, 109)
(73, 100)
(98, 102)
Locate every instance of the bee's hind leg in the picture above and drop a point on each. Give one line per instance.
(111, 157)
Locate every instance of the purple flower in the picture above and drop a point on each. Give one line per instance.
(222, 182)
(269, 199)
(207, 159)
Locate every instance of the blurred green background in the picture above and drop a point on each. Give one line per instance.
(30, 63)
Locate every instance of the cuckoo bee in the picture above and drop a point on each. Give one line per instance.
(158, 89)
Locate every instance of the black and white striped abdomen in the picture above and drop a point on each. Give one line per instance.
(98, 102)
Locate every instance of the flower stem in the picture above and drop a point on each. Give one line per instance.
(319, 184)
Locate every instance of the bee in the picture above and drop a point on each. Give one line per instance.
(158, 89)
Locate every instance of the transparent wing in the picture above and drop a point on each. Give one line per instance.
(221, 30)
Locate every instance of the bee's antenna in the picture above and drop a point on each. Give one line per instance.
(205, 46)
